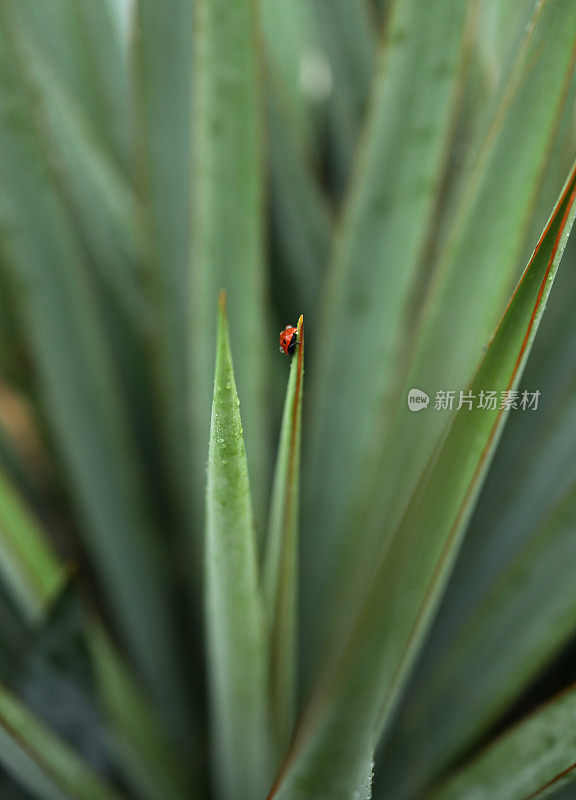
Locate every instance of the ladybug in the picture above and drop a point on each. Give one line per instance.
(288, 340)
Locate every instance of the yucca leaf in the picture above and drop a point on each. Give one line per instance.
(28, 567)
(532, 760)
(525, 617)
(82, 43)
(561, 157)
(501, 366)
(235, 624)
(143, 750)
(462, 288)
(75, 368)
(498, 31)
(500, 27)
(228, 219)
(469, 287)
(280, 571)
(493, 36)
(511, 560)
(89, 178)
(40, 761)
(366, 672)
(376, 258)
(511, 583)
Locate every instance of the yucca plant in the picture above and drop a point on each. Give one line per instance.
(365, 589)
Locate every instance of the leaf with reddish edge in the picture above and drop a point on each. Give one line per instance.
(280, 570)
(541, 749)
(365, 672)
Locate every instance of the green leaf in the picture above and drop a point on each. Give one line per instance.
(76, 372)
(469, 287)
(228, 220)
(493, 35)
(532, 760)
(40, 761)
(235, 624)
(511, 585)
(28, 567)
(88, 177)
(82, 43)
(143, 750)
(280, 570)
(365, 672)
(500, 28)
(524, 617)
(375, 265)
(512, 557)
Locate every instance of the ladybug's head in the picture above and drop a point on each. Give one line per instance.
(288, 340)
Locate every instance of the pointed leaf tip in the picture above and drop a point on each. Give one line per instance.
(281, 560)
(234, 618)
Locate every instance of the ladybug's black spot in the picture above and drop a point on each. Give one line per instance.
(292, 346)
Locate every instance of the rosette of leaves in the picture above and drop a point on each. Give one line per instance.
(317, 594)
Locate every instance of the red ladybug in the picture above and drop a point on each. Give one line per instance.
(288, 340)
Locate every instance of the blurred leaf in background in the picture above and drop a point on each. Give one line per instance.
(389, 610)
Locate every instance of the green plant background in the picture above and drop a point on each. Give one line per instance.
(316, 594)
